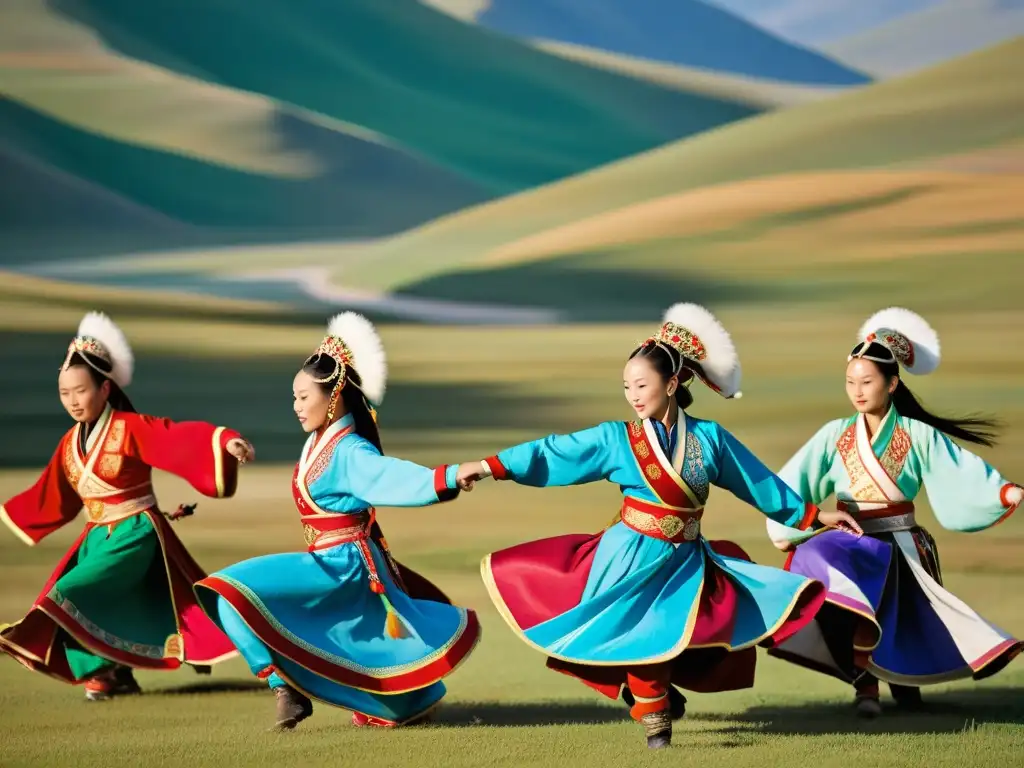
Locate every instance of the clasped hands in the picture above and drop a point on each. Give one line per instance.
(469, 473)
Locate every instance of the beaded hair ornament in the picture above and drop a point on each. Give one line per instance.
(99, 339)
(907, 338)
(352, 342)
(697, 336)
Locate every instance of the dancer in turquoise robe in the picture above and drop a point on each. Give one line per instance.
(343, 622)
(649, 602)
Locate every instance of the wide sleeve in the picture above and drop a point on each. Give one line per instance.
(195, 451)
(966, 493)
(741, 473)
(363, 473)
(808, 473)
(48, 505)
(559, 460)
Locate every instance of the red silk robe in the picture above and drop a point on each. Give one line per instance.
(111, 480)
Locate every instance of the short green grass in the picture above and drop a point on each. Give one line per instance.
(457, 394)
(504, 708)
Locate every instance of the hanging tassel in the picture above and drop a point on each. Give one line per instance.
(393, 625)
(373, 413)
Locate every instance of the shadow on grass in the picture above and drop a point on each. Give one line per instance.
(492, 713)
(220, 686)
(454, 714)
(943, 712)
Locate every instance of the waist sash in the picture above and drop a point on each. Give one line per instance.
(881, 518)
(658, 522)
(114, 507)
(326, 531)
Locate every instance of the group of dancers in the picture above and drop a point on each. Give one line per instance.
(638, 611)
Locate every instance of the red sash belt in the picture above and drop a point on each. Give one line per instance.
(323, 531)
(326, 531)
(660, 522)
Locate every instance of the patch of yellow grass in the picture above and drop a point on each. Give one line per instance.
(20, 293)
(1004, 158)
(934, 200)
(953, 108)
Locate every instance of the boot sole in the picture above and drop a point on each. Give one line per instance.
(659, 742)
(290, 722)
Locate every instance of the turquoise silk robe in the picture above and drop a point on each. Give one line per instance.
(315, 620)
(638, 598)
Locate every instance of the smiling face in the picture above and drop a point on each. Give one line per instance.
(81, 397)
(310, 402)
(868, 388)
(649, 394)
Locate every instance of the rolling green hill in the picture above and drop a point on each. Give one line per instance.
(970, 104)
(928, 169)
(205, 124)
(68, 191)
(490, 109)
(108, 154)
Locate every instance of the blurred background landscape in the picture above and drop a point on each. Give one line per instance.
(514, 190)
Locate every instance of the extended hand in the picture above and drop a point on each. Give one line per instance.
(844, 521)
(1015, 496)
(241, 450)
(468, 474)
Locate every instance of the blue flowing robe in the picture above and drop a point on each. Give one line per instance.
(642, 599)
(311, 619)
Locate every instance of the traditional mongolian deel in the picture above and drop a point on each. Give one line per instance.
(650, 589)
(344, 622)
(888, 611)
(123, 592)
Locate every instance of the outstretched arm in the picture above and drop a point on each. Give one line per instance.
(196, 451)
(376, 480)
(743, 474)
(966, 493)
(50, 503)
(555, 460)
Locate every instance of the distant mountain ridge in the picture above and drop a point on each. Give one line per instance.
(945, 31)
(346, 120)
(687, 32)
(821, 22)
(690, 33)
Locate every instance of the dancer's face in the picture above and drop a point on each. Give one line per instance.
(310, 402)
(649, 394)
(81, 397)
(868, 388)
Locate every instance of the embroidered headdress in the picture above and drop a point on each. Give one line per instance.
(104, 348)
(904, 335)
(704, 347)
(352, 341)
